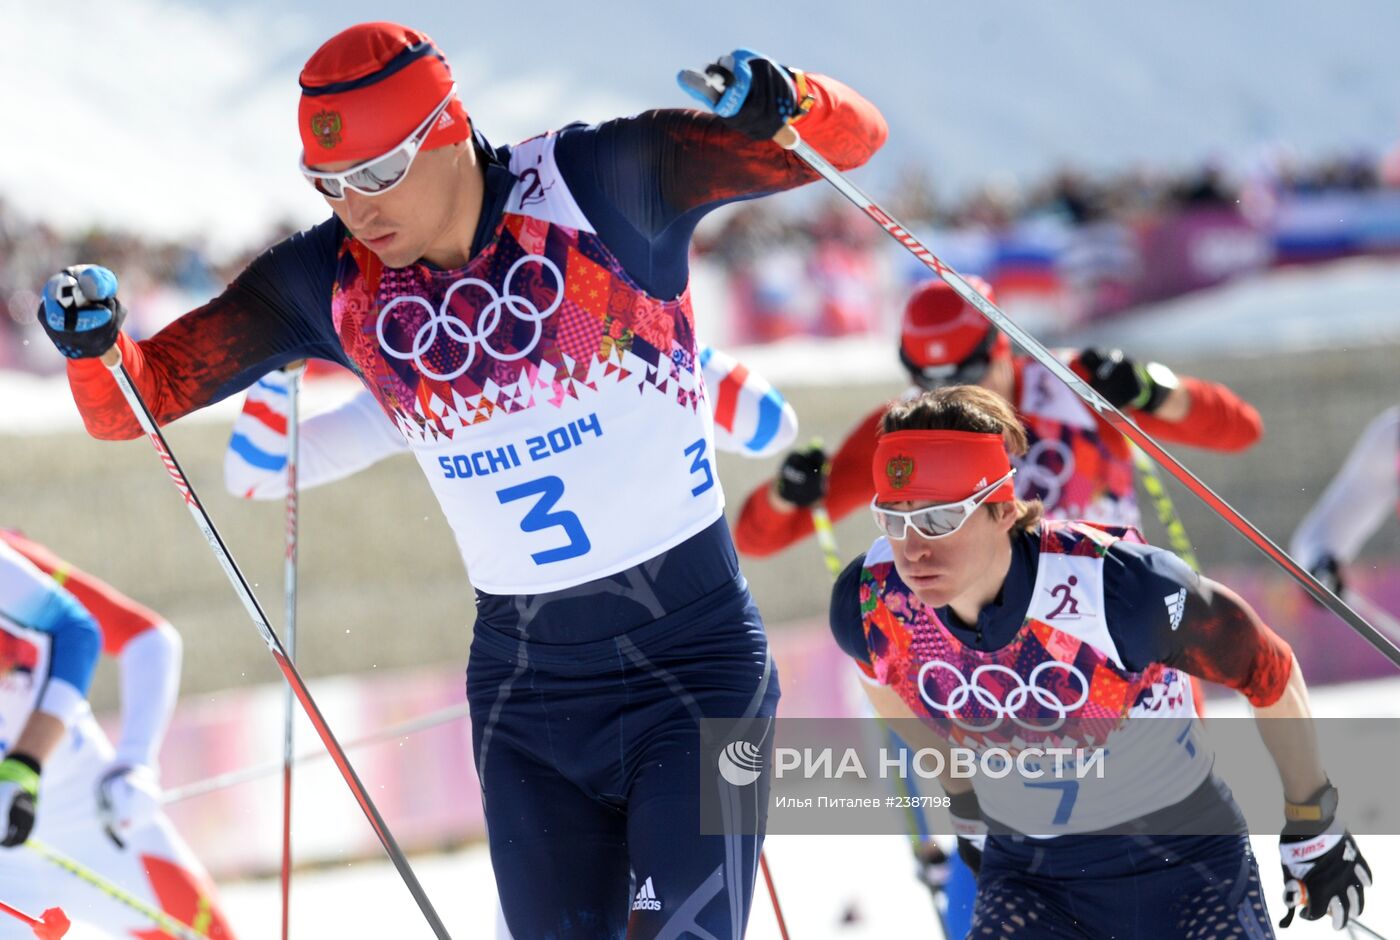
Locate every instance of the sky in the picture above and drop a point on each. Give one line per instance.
(176, 116)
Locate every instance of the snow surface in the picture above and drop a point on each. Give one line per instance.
(819, 878)
(176, 117)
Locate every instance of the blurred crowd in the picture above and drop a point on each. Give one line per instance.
(1083, 244)
(159, 279)
(1087, 244)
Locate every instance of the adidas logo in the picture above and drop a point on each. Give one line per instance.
(646, 898)
(982, 484)
(1176, 606)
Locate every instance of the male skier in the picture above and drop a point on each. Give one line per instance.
(61, 779)
(1363, 493)
(522, 315)
(1076, 464)
(997, 628)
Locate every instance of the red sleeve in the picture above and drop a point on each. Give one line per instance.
(710, 163)
(763, 530)
(276, 311)
(1222, 639)
(119, 617)
(1218, 419)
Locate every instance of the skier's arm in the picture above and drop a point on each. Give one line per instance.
(1195, 411)
(645, 181)
(30, 599)
(1358, 499)
(1204, 414)
(751, 416)
(767, 525)
(1288, 732)
(1160, 611)
(147, 647)
(276, 311)
(1222, 639)
(1204, 628)
(331, 446)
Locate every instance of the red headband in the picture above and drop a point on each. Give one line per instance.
(368, 88)
(940, 466)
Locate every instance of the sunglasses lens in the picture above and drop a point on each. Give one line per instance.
(326, 187)
(890, 524)
(939, 521)
(382, 173)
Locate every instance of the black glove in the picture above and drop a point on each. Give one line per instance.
(969, 827)
(80, 311)
(802, 477)
(1324, 872)
(933, 865)
(1326, 570)
(19, 795)
(1125, 383)
(750, 92)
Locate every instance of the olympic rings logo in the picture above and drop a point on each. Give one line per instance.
(457, 330)
(1022, 692)
(1036, 477)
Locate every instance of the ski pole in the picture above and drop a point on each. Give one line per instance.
(1373, 612)
(1353, 925)
(257, 771)
(773, 895)
(289, 589)
(826, 538)
(1166, 509)
(917, 827)
(168, 925)
(113, 360)
(52, 925)
(789, 139)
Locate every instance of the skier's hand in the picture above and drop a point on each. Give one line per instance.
(802, 477)
(1125, 383)
(750, 92)
(970, 828)
(128, 799)
(933, 865)
(1327, 571)
(1324, 873)
(19, 798)
(80, 311)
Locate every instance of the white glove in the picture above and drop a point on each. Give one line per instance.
(128, 799)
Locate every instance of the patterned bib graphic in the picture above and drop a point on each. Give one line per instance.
(1047, 688)
(545, 313)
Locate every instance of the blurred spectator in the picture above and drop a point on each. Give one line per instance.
(1083, 244)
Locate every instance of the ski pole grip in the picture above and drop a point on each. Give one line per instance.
(787, 138)
(112, 358)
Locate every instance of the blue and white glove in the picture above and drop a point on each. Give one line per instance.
(750, 92)
(128, 799)
(19, 797)
(80, 311)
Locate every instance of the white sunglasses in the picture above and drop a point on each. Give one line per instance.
(932, 522)
(379, 174)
